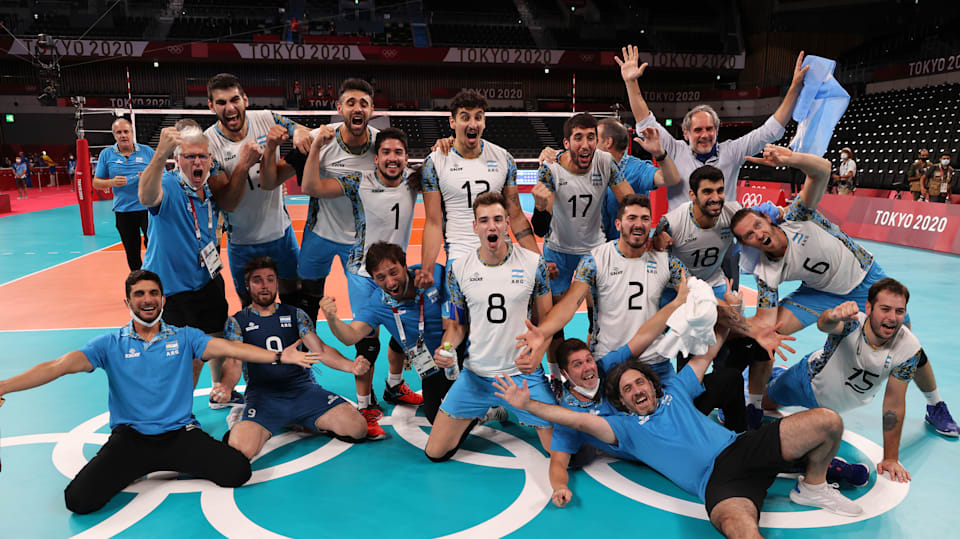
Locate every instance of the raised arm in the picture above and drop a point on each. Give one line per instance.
(348, 334)
(519, 397)
(228, 190)
(816, 168)
(150, 187)
(518, 221)
(832, 320)
(46, 372)
(272, 172)
(651, 141)
(894, 409)
(313, 183)
(630, 71)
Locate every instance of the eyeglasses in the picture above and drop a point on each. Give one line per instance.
(192, 156)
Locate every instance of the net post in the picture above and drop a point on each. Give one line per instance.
(84, 184)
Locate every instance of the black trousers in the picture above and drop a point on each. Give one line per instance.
(129, 455)
(130, 224)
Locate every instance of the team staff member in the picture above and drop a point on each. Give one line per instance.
(916, 172)
(399, 299)
(257, 220)
(937, 181)
(148, 366)
(119, 167)
(184, 246)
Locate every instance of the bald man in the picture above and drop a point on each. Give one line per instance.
(119, 168)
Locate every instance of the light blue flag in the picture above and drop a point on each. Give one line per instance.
(819, 107)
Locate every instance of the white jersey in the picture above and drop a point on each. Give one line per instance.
(626, 294)
(577, 223)
(498, 298)
(380, 213)
(332, 218)
(818, 253)
(848, 373)
(700, 250)
(459, 181)
(261, 215)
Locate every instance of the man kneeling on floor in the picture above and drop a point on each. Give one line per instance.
(149, 366)
(662, 428)
(280, 395)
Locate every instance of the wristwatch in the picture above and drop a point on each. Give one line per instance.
(277, 361)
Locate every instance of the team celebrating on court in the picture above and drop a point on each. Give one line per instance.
(667, 342)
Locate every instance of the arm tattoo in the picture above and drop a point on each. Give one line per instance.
(889, 420)
(523, 233)
(734, 319)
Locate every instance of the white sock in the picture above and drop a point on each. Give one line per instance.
(933, 397)
(755, 400)
(393, 380)
(363, 401)
(808, 486)
(554, 370)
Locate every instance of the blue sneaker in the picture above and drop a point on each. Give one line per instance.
(939, 417)
(854, 474)
(754, 417)
(236, 399)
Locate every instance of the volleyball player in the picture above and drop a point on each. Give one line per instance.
(280, 395)
(832, 267)
(495, 284)
(382, 202)
(257, 220)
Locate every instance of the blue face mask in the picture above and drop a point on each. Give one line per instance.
(703, 158)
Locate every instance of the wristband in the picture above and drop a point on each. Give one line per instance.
(661, 157)
(277, 360)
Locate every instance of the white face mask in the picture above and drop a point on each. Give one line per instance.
(844, 156)
(189, 181)
(589, 393)
(142, 322)
(945, 162)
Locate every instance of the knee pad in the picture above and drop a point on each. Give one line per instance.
(369, 347)
(395, 346)
(313, 287)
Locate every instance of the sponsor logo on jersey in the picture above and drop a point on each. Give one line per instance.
(456, 168)
(799, 238)
(475, 278)
(131, 353)
(119, 160)
(229, 157)
(340, 163)
(251, 326)
(516, 276)
(378, 190)
(173, 348)
(616, 271)
(139, 160)
(651, 266)
(286, 321)
(433, 295)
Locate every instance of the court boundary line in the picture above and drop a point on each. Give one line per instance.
(60, 264)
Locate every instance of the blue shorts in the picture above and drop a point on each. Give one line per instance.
(793, 388)
(300, 405)
(670, 293)
(807, 303)
(566, 266)
(362, 291)
(283, 251)
(471, 396)
(316, 255)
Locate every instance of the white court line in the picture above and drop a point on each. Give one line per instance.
(102, 249)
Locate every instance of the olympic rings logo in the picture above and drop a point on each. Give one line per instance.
(221, 510)
(175, 49)
(389, 53)
(751, 199)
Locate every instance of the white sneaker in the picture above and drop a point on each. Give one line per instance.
(234, 416)
(495, 413)
(828, 498)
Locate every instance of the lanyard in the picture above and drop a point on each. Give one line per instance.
(403, 334)
(196, 224)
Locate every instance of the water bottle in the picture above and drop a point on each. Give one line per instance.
(453, 371)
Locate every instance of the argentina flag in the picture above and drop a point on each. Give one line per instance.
(819, 107)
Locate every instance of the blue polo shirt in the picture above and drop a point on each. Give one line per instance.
(676, 440)
(20, 170)
(150, 383)
(639, 174)
(173, 251)
(113, 163)
(378, 312)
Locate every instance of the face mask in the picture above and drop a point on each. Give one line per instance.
(589, 393)
(844, 156)
(945, 162)
(140, 320)
(189, 182)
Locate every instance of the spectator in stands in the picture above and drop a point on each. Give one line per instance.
(296, 93)
(917, 171)
(846, 174)
(20, 174)
(119, 167)
(936, 182)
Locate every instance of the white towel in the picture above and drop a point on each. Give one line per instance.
(692, 323)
